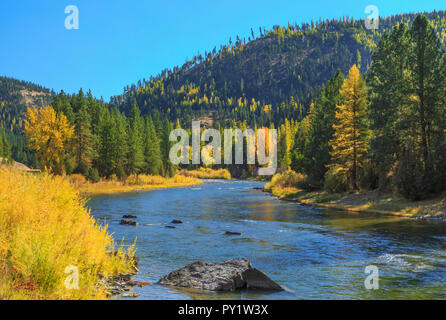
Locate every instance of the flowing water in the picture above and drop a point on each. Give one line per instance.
(314, 253)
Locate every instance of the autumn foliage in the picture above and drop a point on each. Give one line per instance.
(47, 133)
(44, 228)
(350, 142)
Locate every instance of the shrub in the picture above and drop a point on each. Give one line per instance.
(208, 173)
(77, 179)
(288, 179)
(336, 181)
(46, 227)
(93, 174)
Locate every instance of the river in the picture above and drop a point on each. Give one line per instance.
(314, 253)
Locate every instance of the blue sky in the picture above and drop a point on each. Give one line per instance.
(119, 42)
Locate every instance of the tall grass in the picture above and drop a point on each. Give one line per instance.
(132, 182)
(208, 173)
(45, 227)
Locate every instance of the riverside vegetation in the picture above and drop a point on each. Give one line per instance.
(388, 136)
(45, 227)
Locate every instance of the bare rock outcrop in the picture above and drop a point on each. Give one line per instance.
(230, 275)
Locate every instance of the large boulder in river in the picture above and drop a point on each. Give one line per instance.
(226, 276)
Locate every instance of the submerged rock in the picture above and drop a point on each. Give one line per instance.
(171, 227)
(128, 222)
(129, 216)
(230, 275)
(230, 233)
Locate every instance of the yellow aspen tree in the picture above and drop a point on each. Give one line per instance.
(47, 133)
(350, 143)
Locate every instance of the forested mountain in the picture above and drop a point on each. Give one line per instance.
(15, 97)
(272, 76)
(277, 78)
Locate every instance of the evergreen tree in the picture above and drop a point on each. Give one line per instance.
(423, 140)
(83, 140)
(5, 149)
(121, 149)
(106, 161)
(389, 95)
(135, 157)
(152, 152)
(316, 152)
(301, 140)
(168, 167)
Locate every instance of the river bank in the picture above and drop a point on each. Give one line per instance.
(50, 244)
(366, 202)
(131, 184)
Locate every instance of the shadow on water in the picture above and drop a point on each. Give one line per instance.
(316, 253)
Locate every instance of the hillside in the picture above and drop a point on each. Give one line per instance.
(272, 76)
(15, 97)
(281, 69)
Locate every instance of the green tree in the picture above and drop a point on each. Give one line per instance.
(84, 142)
(424, 116)
(106, 161)
(135, 156)
(316, 152)
(389, 83)
(152, 152)
(168, 167)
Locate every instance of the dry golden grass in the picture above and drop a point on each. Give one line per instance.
(286, 180)
(45, 227)
(139, 182)
(208, 173)
(370, 201)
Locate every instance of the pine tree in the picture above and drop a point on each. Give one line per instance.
(5, 149)
(135, 157)
(423, 141)
(389, 96)
(83, 140)
(349, 143)
(121, 138)
(316, 152)
(301, 140)
(106, 161)
(152, 153)
(168, 167)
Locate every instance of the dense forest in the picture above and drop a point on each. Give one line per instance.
(354, 108)
(385, 131)
(272, 76)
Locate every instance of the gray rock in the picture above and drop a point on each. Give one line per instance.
(130, 295)
(226, 276)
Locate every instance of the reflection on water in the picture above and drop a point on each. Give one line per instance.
(314, 253)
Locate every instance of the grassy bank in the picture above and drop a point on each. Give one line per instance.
(208, 173)
(131, 183)
(45, 228)
(370, 201)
